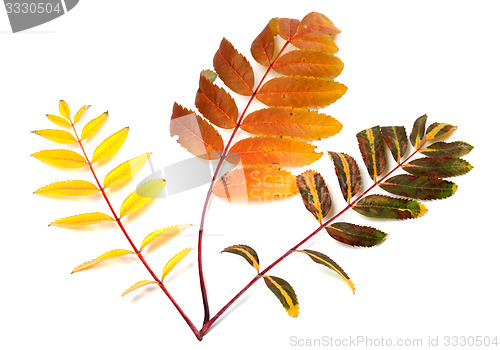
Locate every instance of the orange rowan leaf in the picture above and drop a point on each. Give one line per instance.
(255, 182)
(262, 48)
(116, 253)
(300, 92)
(195, 134)
(64, 109)
(58, 120)
(265, 150)
(310, 63)
(61, 157)
(216, 104)
(92, 126)
(137, 199)
(174, 261)
(81, 113)
(125, 171)
(68, 188)
(137, 285)
(82, 220)
(294, 122)
(315, 22)
(315, 41)
(287, 27)
(56, 135)
(234, 69)
(110, 146)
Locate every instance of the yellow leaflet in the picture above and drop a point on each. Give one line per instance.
(110, 146)
(64, 109)
(138, 285)
(61, 157)
(68, 188)
(174, 261)
(56, 135)
(116, 253)
(125, 171)
(58, 120)
(81, 113)
(93, 125)
(82, 220)
(137, 199)
(172, 231)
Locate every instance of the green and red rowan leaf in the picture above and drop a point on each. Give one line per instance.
(417, 134)
(447, 149)
(285, 294)
(246, 252)
(385, 207)
(438, 167)
(309, 63)
(419, 187)
(396, 139)
(348, 174)
(355, 235)
(262, 48)
(372, 147)
(439, 130)
(315, 194)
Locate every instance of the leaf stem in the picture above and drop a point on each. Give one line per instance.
(212, 183)
(137, 252)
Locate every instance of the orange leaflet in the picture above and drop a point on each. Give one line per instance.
(310, 63)
(315, 22)
(287, 27)
(262, 48)
(315, 41)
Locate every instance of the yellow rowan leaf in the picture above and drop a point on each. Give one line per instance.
(81, 113)
(137, 285)
(58, 120)
(174, 261)
(116, 253)
(68, 188)
(56, 135)
(171, 231)
(125, 171)
(82, 220)
(64, 109)
(137, 199)
(110, 146)
(92, 126)
(61, 157)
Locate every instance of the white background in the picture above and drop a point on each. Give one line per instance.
(435, 276)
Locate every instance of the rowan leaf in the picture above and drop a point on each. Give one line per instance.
(110, 146)
(371, 145)
(419, 187)
(396, 139)
(234, 69)
(262, 48)
(445, 149)
(174, 261)
(62, 158)
(56, 135)
(418, 131)
(309, 63)
(316, 22)
(125, 171)
(82, 220)
(439, 130)
(315, 41)
(315, 194)
(325, 260)
(116, 253)
(216, 104)
(248, 253)
(265, 150)
(58, 120)
(355, 235)
(300, 92)
(385, 207)
(293, 122)
(348, 174)
(438, 166)
(137, 199)
(81, 113)
(137, 286)
(285, 294)
(195, 134)
(255, 182)
(92, 126)
(64, 109)
(171, 231)
(287, 27)
(68, 188)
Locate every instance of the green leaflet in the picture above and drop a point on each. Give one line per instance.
(355, 235)
(325, 260)
(447, 149)
(347, 171)
(385, 207)
(418, 131)
(248, 253)
(438, 166)
(285, 293)
(419, 187)
(371, 145)
(396, 139)
(436, 130)
(315, 195)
